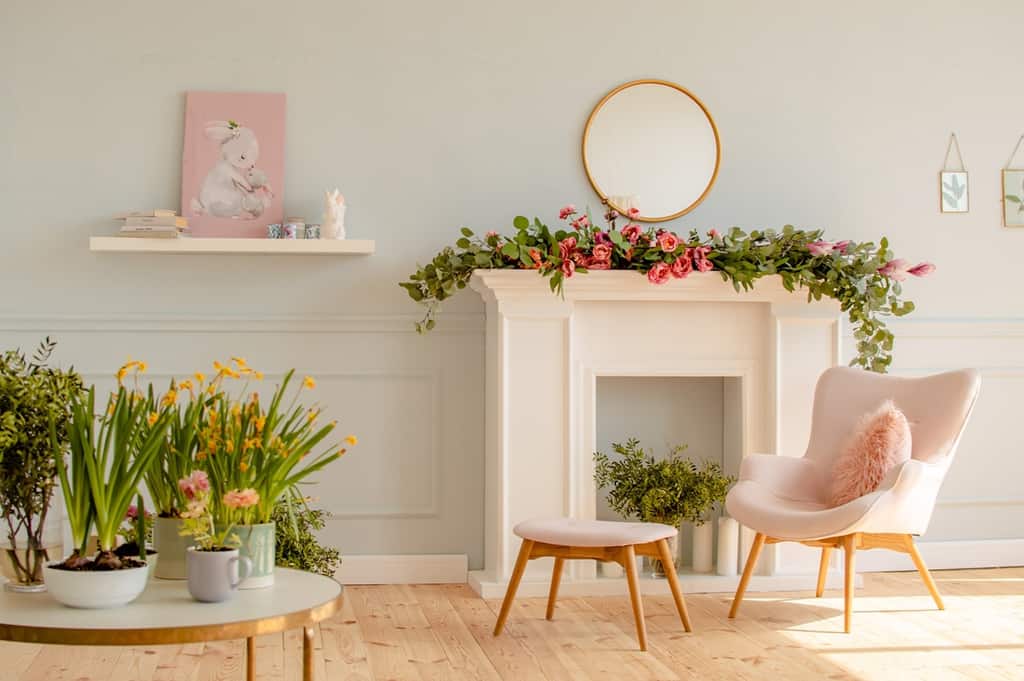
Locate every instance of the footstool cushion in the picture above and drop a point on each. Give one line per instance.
(591, 533)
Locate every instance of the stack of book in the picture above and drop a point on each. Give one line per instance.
(152, 224)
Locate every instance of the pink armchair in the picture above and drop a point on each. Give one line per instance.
(786, 499)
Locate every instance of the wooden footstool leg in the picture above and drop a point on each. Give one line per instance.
(556, 579)
(673, 582)
(513, 584)
(629, 563)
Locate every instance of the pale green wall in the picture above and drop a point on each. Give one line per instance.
(432, 115)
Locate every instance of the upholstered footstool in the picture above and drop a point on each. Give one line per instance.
(566, 539)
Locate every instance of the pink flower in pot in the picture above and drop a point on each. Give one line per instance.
(819, 248)
(895, 269)
(922, 269)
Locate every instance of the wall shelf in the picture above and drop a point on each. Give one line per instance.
(184, 245)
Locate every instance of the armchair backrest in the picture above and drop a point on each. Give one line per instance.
(936, 406)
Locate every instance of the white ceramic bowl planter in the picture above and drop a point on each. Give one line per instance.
(96, 589)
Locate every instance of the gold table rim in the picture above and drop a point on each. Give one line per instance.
(199, 633)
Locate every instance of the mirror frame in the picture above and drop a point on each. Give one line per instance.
(696, 100)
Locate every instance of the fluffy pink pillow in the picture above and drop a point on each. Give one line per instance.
(880, 442)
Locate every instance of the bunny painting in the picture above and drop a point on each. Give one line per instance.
(232, 160)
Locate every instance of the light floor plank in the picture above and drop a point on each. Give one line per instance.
(442, 632)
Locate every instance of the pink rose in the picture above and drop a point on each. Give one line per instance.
(566, 211)
(241, 498)
(818, 248)
(713, 233)
(568, 268)
(841, 246)
(668, 241)
(567, 246)
(580, 222)
(602, 252)
(681, 268)
(699, 255)
(894, 269)
(922, 269)
(596, 264)
(659, 273)
(634, 213)
(631, 232)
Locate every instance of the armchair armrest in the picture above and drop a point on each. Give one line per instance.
(800, 479)
(906, 498)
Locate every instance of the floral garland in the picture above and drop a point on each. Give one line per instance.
(864, 278)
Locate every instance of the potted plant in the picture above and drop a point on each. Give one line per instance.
(296, 543)
(100, 477)
(214, 567)
(176, 461)
(246, 444)
(668, 490)
(31, 396)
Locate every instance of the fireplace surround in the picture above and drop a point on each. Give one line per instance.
(544, 354)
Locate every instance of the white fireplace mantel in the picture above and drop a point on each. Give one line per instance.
(545, 353)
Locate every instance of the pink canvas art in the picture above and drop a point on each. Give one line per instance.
(232, 166)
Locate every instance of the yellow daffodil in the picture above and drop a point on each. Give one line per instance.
(352, 440)
(186, 385)
(261, 423)
(169, 399)
(200, 455)
(236, 411)
(308, 382)
(258, 375)
(121, 373)
(200, 376)
(152, 418)
(240, 361)
(243, 466)
(218, 366)
(141, 367)
(212, 389)
(229, 446)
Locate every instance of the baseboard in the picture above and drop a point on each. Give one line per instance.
(487, 587)
(947, 555)
(404, 569)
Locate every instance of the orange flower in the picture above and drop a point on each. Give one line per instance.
(170, 398)
(241, 498)
(141, 367)
(186, 385)
(200, 376)
(152, 418)
(261, 423)
(200, 455)
(240, 361)
(308, 382)
(229, 446)
(243, 466)
(352, 440)
(258, 375)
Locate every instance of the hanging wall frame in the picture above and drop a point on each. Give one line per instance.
(954, 196)
(1013, 191)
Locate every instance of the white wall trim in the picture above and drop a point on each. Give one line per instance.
(401, 324)
(947, 555)
(404, 569)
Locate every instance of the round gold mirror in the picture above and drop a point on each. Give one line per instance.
(651, 145)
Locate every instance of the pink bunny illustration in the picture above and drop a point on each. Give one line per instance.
(224, 191)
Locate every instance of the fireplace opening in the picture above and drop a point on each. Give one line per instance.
(703, 412)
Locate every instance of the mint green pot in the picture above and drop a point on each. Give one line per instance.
(258, 545)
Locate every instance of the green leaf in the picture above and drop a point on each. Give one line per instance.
(462, 243)
(511, 249)
(1013, 199)
(521, 222)
(466, 231)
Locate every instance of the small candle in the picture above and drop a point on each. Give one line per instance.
(728, 546)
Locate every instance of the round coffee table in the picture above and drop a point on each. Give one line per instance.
(166, 613)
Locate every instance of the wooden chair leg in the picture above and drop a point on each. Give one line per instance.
(556, 579)
(673, 582)
(629, 563)
(513, 584)
(926, 576)
(850, 550)
(826, 553)
(755, 551)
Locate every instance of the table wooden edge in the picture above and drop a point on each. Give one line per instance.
(169, 635)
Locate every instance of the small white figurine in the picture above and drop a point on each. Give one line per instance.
(333, 222)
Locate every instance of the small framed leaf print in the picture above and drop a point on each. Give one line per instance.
(1013, 197)
(953, 193)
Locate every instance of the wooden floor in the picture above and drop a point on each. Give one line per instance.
(421, 633)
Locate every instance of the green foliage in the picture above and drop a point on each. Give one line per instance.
(297, 545)
(668, 490)
(32, 395)
(851, 275)
(109, 454)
